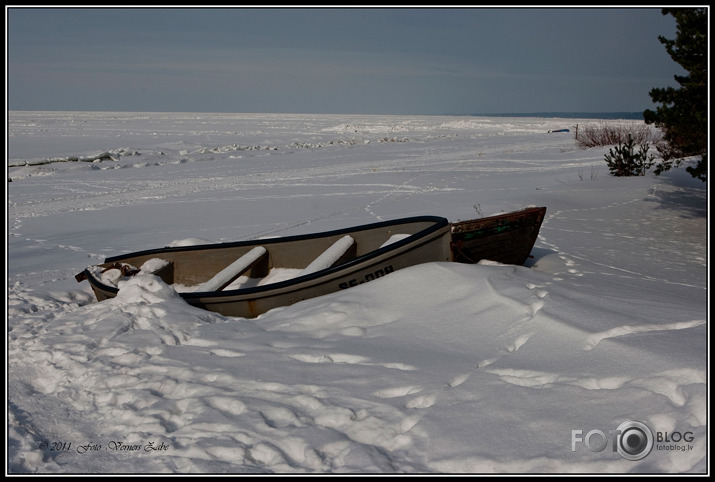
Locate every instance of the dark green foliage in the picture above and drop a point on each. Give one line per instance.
(683, 113)
(623, 160)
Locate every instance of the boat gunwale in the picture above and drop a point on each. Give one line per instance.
(538, 211)
(439, 223)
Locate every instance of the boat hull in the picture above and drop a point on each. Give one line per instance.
(428, 241)
(249, 305)
(505, 238)
(423, 239)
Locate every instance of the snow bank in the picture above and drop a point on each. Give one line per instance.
(440, 368)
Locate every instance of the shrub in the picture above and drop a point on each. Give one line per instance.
(623, 160)
(608, 134)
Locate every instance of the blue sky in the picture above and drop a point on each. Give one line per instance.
(345, 60)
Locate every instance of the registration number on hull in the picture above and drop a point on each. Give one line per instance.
(368, 277)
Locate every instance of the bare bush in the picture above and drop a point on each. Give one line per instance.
(609, 133)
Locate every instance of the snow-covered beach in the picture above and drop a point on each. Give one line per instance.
(440, 368)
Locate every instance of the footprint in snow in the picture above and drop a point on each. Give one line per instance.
(423, 401)
(226, 353)
(458, 380)
(397, 391)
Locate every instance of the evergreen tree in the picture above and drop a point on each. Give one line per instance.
(623, 160)
(683, 115)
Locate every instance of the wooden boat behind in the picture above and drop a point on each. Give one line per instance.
(248, 278)
(506, 238)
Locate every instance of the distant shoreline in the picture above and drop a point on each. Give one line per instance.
(569, 115)
(549, 115)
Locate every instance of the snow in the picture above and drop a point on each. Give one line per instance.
(330, 256)
(440, 368)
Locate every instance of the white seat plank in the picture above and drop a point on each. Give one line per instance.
(227, 275)
(395, 238)
(330, 256)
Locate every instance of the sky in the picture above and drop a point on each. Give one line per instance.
(414, 61)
